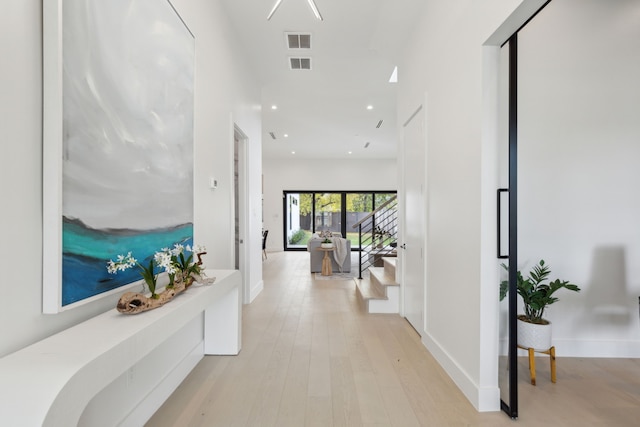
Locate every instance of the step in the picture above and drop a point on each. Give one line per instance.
(376, 256)
(382, 276)
(372, 300)
(368, 290)
(373, 292)
(390, 265)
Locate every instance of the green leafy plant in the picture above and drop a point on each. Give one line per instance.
(183, 263)
(124, 262)
(535, 293)
(173, 261)
(326, 240)
(297, 237)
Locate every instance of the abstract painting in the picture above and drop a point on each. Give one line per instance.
(126, 141)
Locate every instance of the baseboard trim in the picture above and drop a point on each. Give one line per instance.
(483, 399)
(595, 348)
(255, 291)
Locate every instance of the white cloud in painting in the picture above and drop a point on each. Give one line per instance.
(128, 114)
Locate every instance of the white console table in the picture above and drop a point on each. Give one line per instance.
(51, 382)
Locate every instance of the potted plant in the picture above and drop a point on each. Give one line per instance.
(533, 330)
(326, 243)
(181, 270)
(379, 236)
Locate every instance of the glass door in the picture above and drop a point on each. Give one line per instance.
(335, 211)
(328, 212)
(298, 222)
(359, 205)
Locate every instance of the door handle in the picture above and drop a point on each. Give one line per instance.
(499, 251)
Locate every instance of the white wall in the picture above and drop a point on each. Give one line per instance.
(322, 175)
(225, 93)
(579, 134)
(446, 61)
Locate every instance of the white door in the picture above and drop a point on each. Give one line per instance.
(414, 215)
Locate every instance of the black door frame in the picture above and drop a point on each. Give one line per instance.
(511, 407)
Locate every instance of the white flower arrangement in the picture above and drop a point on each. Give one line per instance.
(172, 261)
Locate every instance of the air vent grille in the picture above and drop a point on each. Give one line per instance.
(298, 41)
(273, 135)
(300, 63)
(379, 124)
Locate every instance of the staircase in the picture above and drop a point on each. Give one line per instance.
(377, 235)
(379, 293)
(376, 286)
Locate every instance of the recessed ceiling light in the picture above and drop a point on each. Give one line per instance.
(369, 107)
(349, 152)
(286, 135)
(293, 152)
(274, 107)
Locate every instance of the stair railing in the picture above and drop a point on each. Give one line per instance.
(377, 234)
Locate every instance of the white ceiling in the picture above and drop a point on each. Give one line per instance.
(354, 50)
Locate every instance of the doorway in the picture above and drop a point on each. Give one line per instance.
(239, 207)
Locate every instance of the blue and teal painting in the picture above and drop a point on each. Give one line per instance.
(127, 139)
(86, 252)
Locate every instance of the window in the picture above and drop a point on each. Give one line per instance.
(336, 211)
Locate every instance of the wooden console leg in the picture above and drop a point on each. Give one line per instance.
(552, 357)
(532, 366)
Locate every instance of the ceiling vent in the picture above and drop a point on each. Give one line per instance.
(300, 63)
(298, 41)
(379, 124)
(273, 135)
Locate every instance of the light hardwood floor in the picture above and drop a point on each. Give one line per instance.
(310, 357)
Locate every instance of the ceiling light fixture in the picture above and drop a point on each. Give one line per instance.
(394, 76)
(369, 107)
(286, 135)
(274, 107)
(275, 7)
(314, 8)
(312, 5)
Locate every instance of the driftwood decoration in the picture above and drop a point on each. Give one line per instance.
(135, 302)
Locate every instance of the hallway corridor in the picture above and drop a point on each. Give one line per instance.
(311, 358)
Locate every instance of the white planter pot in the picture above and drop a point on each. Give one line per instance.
(532, 335)
(326, 245)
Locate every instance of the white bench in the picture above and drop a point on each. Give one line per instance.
(88, 374)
